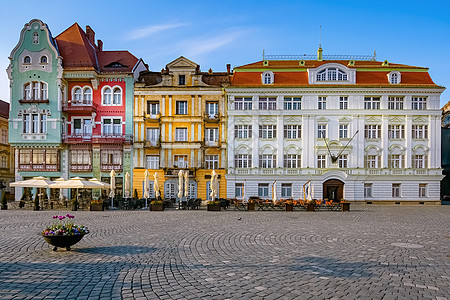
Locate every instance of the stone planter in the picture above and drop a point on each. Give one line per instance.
(289, 207)
(156, 207)
(62, 241)
(251, 206)
(213, 207)
(96, 207)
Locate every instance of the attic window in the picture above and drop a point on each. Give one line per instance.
(332, 74)
(43, 59)
(394, 77)
(115, 64)
(267, 77)
(27, 60)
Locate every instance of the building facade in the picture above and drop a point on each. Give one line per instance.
(357, 128)
(445, 183)
(6, 154)
(180, 124)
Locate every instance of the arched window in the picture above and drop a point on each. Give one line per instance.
(77, 95)
(27, 60)
(44, 94)
(107, 96)
(332, 74)
(87, 95)
(394, 77)
(35, 90)
(43, 59)
(27, 91)
(117, 96)
(267, 77)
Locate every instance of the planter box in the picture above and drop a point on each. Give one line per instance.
(251, 206)
(96, 207)
(157, 207)
(310, 207)
(345, 206)
(289, 207)
(213, 207)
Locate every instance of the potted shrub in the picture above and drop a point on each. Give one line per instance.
(4, 203)
(64, 234)
(156, 205)
(96, 205)
(213, 205)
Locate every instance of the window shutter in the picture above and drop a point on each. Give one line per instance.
(260, 131)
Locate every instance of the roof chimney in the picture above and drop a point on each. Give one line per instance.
(319, 54)
(228, 69)
(100, 45)
(90, 34)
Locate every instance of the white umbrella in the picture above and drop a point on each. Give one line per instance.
(112, 192)
(101, 185)
(146, 187)
(180, 184)
(78, 183)
(156, 185)
(213, 185)
(186, 183)
(127, 185)
(38, 182)
(274, 191)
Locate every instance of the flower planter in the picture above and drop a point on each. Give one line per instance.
(345, 206)
(156, 207)
(289, 207)
(310, 207)
(213, 207)
(96, 207)
(62, 241)
(251, 206)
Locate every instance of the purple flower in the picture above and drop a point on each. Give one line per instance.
(55, 217)
(61, 217)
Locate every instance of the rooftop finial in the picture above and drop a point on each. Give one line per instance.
(374, 55)
(320, 36)
(263, 55)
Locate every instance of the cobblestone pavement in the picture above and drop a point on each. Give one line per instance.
(372, 252)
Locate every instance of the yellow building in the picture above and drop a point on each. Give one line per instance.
(180, 124)
(6, 154)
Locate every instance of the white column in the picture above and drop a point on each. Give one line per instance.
(192, 106)
(143, 108)
(305, 143)
(360, 141)
(170, 133)
(408, 141)
(142, 137)
(384, 140)
(255, 141)
(280, 141)
(231, 142)
(170, 106)
(163, 105)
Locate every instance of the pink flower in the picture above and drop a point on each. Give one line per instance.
(61, 217)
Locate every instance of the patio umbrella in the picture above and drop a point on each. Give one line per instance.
(37, 182)
(112, 192)
(127, 185)
(146, 187)
(180, 184)
(156, 185)
(78, 183)
(101, 185)
(274, 191)
(213, 184)
(186, 183)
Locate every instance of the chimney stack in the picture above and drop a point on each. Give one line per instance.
(90, 34)
(100, 45)
(228, 69)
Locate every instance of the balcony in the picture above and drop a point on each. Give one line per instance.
(80, 168)
(152, 117)
(98, 139)
(152, 144)
(213, 118)
(109, 167)
(173, 172)
(22, 101)
(39, 167)
(211, 143)
(81, 106)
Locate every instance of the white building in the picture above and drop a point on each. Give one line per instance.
(287, 118)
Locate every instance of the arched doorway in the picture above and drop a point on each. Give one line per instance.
(333, 189)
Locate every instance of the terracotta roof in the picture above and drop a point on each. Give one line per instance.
(216, 79)
(4, 109)
(116, 61)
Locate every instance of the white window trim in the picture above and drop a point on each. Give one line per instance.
(399, 77)
(112, 118)
(268, 74)
(351, 74)
(112, 95)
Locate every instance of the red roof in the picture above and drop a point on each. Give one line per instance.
(116, 61)
(4, 109)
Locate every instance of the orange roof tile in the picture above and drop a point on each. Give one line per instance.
(116, 61)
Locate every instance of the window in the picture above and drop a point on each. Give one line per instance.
(4, 162)
(372, 131)
(394, 78)
(343, 102)
(243, 131)
(292, 131)
(322, 103)
(263, 190)
(395, 102)
(153, 162)
(422, 190)
(87, 95)
(267, 131)
(243, 161)
(239, 190)
(267, 77)
(152, 108)
(27, 60)
(43, 124)
(26, 123)
(396, 161)
(111, 157)
(80, 157)
(321, 131)
(153, 135)
(372, 161)
(211, 134)
(35, 38)
(419, 103)
(169, 190)
(112, 127)
(212, 161)
(117, 96)
(39, 157)
(420, 161)
(34, 123)
(267, 103)
(35, 90)
(107, 95)
(77, 94)
(51, 157)
(292, 161)
(420, 131)
(25, 156)
(180, 161)
(181, 108)
(332, 74)
(4, 136)
(395, 190)
(212, 109)
(267, 161)
(181, 79)
(371, 102)
(321, 160)
(181, 134)
(343, 131)
(396, 131)
(368, 190)
(82, 127)
(27, 91)
(286, 190)
(43, 59)
(243, 103)
(292, 103)
(343, 161)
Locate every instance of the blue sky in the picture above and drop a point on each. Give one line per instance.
(214, 33)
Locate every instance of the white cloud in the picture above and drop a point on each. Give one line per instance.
(149, 30)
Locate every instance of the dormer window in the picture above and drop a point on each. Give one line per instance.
(332, 74)
(27, 60)
(43, 59)
(394, 77)
(267, 77)
(181, 80)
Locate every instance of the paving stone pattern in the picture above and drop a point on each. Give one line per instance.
(371, 252)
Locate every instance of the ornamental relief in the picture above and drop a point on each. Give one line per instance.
(420, 119)
(33, 109)
(243, 120)
(295, 120)
(267, 119)
(373, 119)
